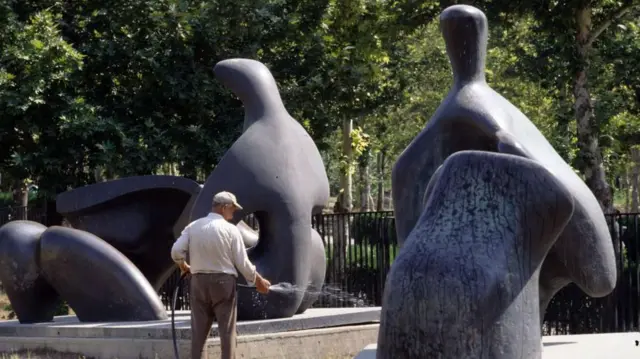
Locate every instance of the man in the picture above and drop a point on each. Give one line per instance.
(217, 253)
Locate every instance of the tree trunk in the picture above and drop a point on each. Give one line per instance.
(589, 159)
(380, 199)
(635, 180)
(365, 181)
(625, 186)
(20, 199)
(346, 180)
(98, 174)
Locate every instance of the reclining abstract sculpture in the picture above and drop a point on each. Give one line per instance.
(276, 171)
(136, 215)
(123, 229)
(465, 284)
(475, 117)
(123, 233)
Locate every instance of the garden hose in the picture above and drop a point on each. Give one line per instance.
(173, 314)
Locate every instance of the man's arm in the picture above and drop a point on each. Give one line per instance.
(181, 247)
(240, 258)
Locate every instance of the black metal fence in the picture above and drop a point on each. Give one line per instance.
(30, 213)
(572, 312)
(361, 247)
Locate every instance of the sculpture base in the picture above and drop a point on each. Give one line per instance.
(318, 333)
(586, 346)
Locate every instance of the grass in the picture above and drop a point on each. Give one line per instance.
(5, 308)
(6, 313)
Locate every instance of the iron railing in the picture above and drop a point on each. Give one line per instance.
(34, 213)
(361, 247)
(573, 312)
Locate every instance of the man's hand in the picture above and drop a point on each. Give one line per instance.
(262, 285)
(184, 268)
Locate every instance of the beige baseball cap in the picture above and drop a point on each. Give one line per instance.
(225, 197)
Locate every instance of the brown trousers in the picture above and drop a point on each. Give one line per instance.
(213, 295)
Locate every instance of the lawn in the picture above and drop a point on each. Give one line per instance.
(6, 312)
(5, 309)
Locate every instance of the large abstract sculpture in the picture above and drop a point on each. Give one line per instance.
(109, 267)
(276, 171)
(475, 117)
(97, 281)
(136, 215)
(123, 230)
(465, 284)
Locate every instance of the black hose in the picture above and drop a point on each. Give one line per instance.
(173, 314)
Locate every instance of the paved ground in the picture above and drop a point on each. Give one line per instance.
(69, 327)
(592, 346)
(588, 346)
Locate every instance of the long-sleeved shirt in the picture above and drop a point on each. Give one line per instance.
(214, 246)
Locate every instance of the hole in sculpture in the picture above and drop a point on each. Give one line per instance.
(249, 229)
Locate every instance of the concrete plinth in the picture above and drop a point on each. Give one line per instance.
(318, 333)
(587, 346)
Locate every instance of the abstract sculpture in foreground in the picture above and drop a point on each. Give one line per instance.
(109, 267)
(465, 284)
(475, 117)
(275, 170)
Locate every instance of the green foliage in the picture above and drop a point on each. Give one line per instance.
(96, 90)
(6, 198)
(359, 144)
(36, 96)
(362, 256)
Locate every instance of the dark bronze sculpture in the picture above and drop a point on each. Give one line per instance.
(276, 172)
(465, 284)
(475, 117)
(32, 298)
(124, 229)
(108, 266)
(139, 216)
(98, 281)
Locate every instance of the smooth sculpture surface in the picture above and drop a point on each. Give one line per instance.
(110, 265)
(475, 117)
(32, 298)
(97, 281)
(275, 170)
(136, 215)
(465, 283)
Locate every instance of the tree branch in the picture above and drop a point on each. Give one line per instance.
(623, 10)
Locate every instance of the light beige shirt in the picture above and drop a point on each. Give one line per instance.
(214, 246)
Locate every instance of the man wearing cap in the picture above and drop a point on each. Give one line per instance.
(217, 253)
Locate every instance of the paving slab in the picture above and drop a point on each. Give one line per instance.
(585, 346)
(592, 346)
(70, 327)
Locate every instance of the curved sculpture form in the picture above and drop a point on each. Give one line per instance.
(465, 283)
(275, 170)
(98, 281)
(137, 215)
(32, 298)
(475, 117)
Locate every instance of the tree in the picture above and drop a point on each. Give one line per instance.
(572, 31)
(36, 98)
